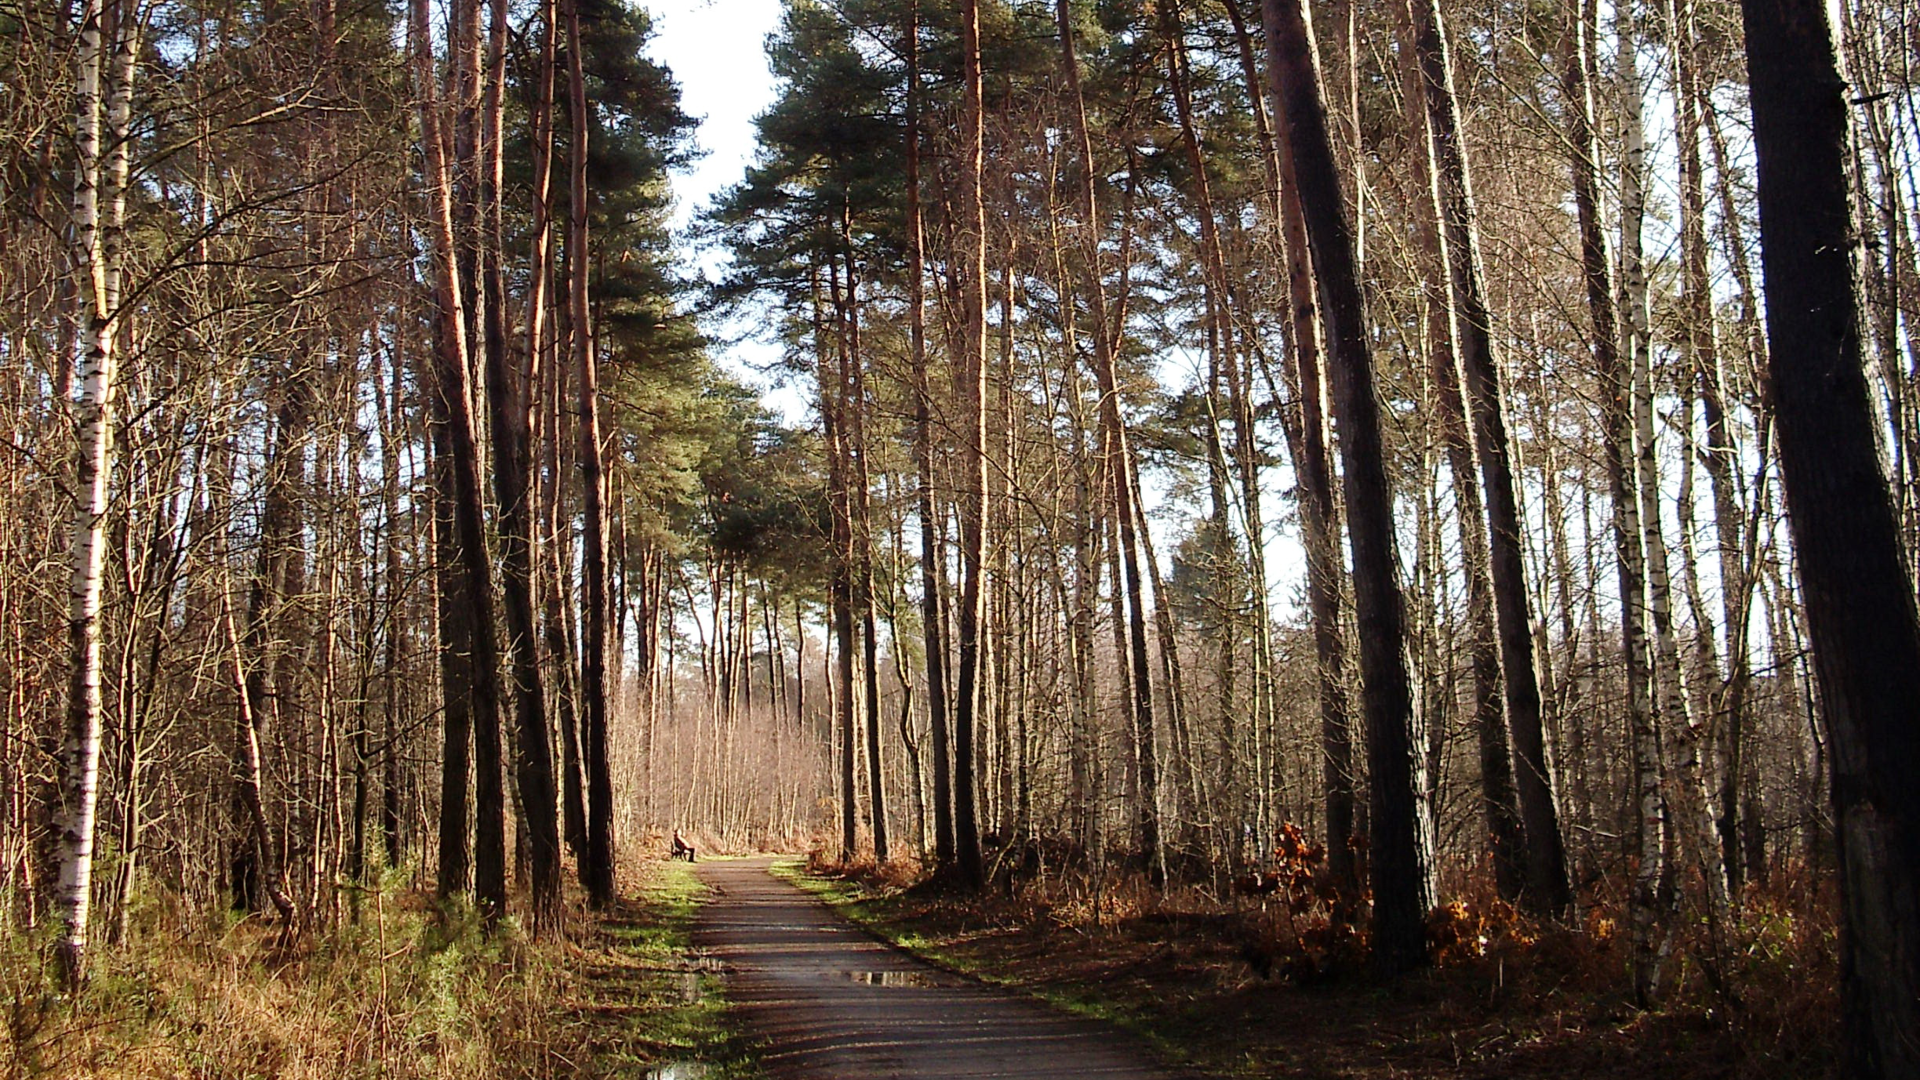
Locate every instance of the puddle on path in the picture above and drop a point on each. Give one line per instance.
(679, 1070)
(891, 978)
(696, 966)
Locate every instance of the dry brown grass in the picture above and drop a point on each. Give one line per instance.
(1268, 986)
(409, 992)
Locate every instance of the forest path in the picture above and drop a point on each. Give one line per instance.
(830, 1001)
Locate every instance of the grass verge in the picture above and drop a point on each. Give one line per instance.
(657, 1000)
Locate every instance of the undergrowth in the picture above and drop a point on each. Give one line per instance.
(410, 991)
(1272, 980)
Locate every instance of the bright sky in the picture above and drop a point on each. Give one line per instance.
(717, 51)
(716, 48)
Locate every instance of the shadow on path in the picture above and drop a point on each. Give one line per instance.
(830, 1001)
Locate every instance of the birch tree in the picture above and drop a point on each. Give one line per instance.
(103, 73)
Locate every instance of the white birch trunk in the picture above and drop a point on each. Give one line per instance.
(1617, 386)
(1673, 705)
(93, 416)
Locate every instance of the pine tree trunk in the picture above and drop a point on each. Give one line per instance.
(451, 392)
(860, 534)
(932, 562)
(1117, 455)
(598, 873)
(1319, 532)
(510, 403)
(1859, 601)
(831, 376)
(971, 387)
(1401, 825)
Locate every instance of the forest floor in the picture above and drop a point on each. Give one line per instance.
(402, 991)
(1184, 980)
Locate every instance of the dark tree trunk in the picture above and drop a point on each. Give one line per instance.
(1320, 535)
(450, 390)
(971, 382)
(455, 869)
(833, 411)
(278, 576)
(1549, 890)
(1400, 825)
(1859, 601)
(509, 402)
(932, 561)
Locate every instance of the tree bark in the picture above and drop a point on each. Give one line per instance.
(932, 561)
(104, 35)
(1446, 340)
(1319, 518)
(510, 404)
(598, 873)
(1401, 825)
(971, 385)
(1859, 601)
(451, 392)
(1597, 271)
(1117, 455)
(1549, 890)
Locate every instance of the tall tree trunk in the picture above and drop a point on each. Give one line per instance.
(1549, 890)
(451, 392)
(1689, 801)
(510, 403)
(832, 379)
(395, 620)
(598, 873)
(1401, 825)
(277, 575)
(1078, 602)
(1319, 517)
(78, 793)
(546, 382)
(1702, 345)
(860, 506)
(932, 561)
(1117, 455)
(971, 385)
(1446, 340)
(1859, 601)
(1597, 270)
(454, 872)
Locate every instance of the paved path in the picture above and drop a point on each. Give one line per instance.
(830, 1001)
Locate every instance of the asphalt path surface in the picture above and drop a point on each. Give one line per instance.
(826, 999)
